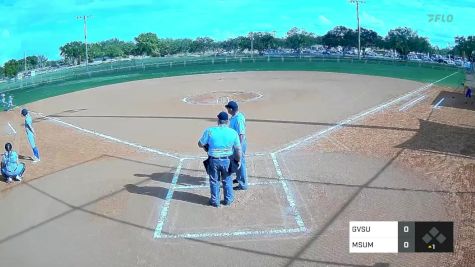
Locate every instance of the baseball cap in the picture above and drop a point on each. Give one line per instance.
(223, 116)
(232, 105)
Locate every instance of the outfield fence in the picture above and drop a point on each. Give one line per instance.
(157, 65)
(77, 78)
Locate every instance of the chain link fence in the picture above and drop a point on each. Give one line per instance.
(159, 67)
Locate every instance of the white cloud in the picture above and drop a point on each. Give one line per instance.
(324, 20)
(371, 21)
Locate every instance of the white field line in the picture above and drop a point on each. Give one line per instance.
(110, 138)
(288, 194)
(271, 232)
(438, 103)
(11, 127)
(359, 116)
(164, 209)
(408, 105)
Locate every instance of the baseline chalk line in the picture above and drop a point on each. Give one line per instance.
(412, 103)
(235, 234)
(359, 116)
(108, 137)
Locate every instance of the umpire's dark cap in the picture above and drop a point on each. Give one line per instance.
(232, 105)
(223, 116)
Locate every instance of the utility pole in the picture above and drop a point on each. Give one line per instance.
(252, 45)
(357, 2)
(84, 18)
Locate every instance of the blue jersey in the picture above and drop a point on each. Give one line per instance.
(221, 141)
(10, 161)
(28, 124)
(238, 123)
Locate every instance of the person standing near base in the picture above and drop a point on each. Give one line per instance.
(10, 102)
(30, 134)
(4, 102)
(238, 123)
(468, 94)
(221, 142)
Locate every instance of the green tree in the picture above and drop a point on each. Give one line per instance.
(465, 47)
(11, 68)
(95, 50)
(403, 40)
(73, 52)
(2, 73)
(243, 43)
(298, 39)
(201, 45)
(32, 62)
(184, 45)
(147, 44)
(419, 44)
(128, 48)
(342, 36)
(263, 41)
(369, 38)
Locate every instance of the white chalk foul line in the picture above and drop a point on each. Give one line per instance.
(438, 103)
(408, 105)
(236, 233)
(164, 209)
(11, 127)
(359, 116)
(110, 138)
(288, 194)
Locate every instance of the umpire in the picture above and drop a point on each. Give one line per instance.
(238, 123)
(221, 142)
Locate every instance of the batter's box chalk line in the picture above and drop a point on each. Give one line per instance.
(164, 211)
(301, 228)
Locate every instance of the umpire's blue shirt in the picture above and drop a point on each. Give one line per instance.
(221, 141)
(238, 123)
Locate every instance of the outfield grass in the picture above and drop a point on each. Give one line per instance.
(79, 79)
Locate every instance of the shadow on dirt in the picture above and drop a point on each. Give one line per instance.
(454, 100)
(161, 192)
(440, 138)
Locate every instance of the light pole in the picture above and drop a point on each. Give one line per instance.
(357, 2)
(84, 18)
(252, 44)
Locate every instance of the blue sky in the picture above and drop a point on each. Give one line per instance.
(42, 26)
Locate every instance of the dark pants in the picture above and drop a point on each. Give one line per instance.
(219, 170)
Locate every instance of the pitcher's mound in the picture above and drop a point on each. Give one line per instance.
(222, 98)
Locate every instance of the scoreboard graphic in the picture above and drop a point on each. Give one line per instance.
(395, 237)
